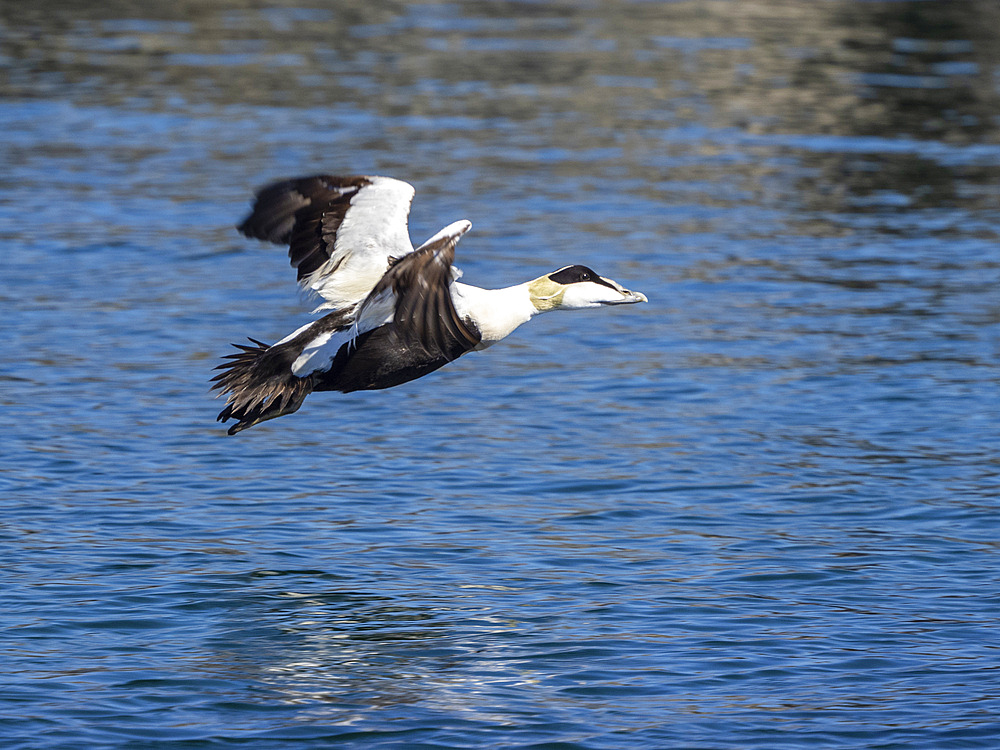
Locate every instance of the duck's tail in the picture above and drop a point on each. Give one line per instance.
(260, 384)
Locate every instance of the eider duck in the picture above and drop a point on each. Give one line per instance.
(396, 313)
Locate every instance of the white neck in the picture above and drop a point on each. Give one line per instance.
(496, 312)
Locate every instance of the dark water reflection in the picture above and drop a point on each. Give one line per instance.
(759, 511)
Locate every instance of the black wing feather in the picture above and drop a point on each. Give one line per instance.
(259, 382)
(304, 212)
(425, 314)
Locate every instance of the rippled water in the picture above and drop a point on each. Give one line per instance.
(759, 511)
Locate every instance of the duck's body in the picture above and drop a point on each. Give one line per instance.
(398, 313)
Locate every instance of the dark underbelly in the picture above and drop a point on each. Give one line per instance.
(378, 359)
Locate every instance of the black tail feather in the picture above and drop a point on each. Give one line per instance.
(260, 384)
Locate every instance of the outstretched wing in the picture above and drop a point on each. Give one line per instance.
(342, 232)
(414, 296)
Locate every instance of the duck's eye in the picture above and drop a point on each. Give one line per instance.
(573, 275)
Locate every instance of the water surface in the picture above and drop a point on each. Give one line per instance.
(758, 511)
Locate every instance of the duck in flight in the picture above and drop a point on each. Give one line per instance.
(393, 313)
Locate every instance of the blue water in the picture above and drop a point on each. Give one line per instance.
(759, 511)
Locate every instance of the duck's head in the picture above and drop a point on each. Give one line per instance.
(578, 287)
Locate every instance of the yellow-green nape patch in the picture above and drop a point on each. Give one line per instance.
(545, 293)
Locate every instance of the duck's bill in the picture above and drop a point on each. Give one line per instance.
(628, 298)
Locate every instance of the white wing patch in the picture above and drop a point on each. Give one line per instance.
(377, 310)
(455, 229)
(319, 353)
(373, 231)
(295, 333)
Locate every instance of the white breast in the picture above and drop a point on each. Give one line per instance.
(495, 312)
